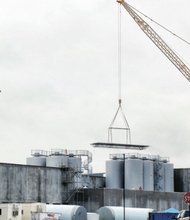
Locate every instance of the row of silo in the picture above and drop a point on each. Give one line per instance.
(139, 173)
(57, 160)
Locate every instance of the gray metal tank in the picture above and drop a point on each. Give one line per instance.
(114, 173)
(57, 161)
(69, 212)
(169, 177)
(74, 163)
(36, 161)
(148, 175)
(159, 176)
(116, 213)
(133, 173)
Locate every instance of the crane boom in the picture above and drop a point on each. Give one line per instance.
(158, 41)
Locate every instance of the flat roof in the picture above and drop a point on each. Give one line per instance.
(119, 146)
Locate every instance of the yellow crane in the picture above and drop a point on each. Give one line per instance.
(158, 41)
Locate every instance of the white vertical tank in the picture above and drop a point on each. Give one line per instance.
(133, 173)
(36, 161)
(114, 173)
(169, 177)
(117, 212)
(68, 212)
(74, 163)
(159, 176)
(57, 161)
(148, 172)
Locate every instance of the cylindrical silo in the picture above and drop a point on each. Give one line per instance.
(69, 212)
(133, 173)
(114, 173)
(148, 171)
(169, 177)
(36, 161)
(116, 213)
(159, 176)
(60, 161)
(74, 163)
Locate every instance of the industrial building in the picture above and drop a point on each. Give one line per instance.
(63, 177)
(60, 184)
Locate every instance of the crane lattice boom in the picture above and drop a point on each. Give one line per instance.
(158, 41)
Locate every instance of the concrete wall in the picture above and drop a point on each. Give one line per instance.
(93, 199)
(20, 183)
(25, 183)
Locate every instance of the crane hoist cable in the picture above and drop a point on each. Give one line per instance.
(126, 127)
(119, 53)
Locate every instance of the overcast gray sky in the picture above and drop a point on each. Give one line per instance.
(58, 76)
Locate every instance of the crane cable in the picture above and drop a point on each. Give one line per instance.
(166, 29)
(126, 128)
(119, 53)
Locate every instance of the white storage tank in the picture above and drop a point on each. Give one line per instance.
(74, 163)
(148, 172)
(114, 173)
(133, 173)
(159, 176)
(117, 212)
(36, 161)
(60, 161)
(69, 212)
(169, 177)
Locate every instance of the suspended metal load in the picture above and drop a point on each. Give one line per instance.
(119, 146)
